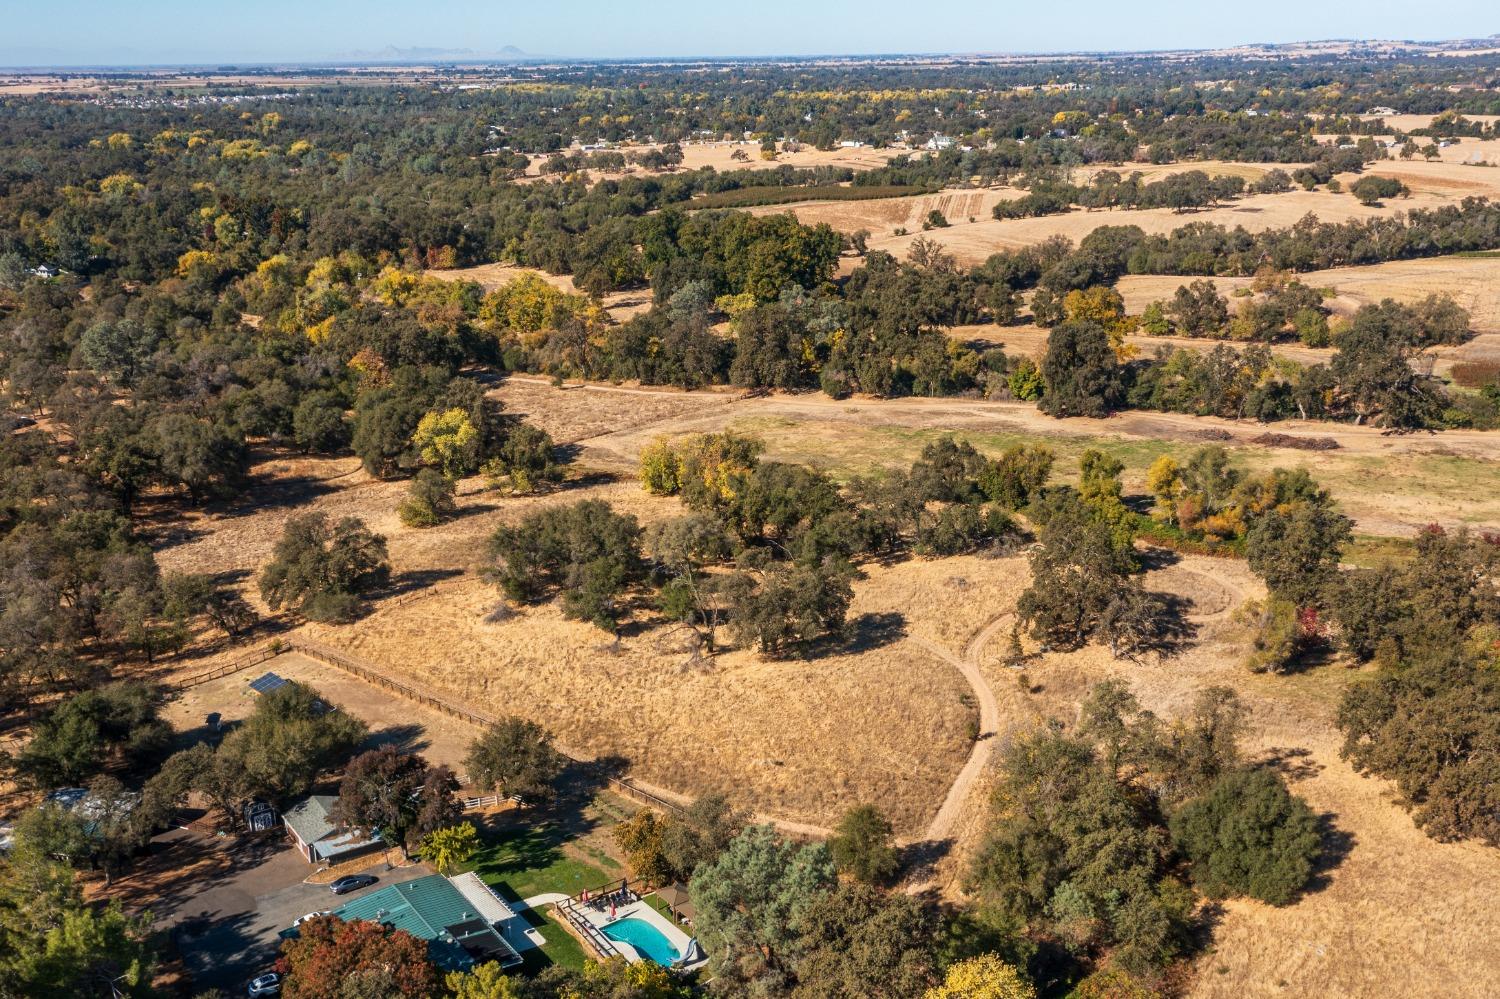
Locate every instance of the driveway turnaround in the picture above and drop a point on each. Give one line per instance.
(227, 931)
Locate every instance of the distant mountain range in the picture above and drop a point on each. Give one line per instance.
(419, 54)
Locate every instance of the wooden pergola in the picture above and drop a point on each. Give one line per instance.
(676, 897)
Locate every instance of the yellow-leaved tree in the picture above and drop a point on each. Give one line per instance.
(487, 981)
(1106, 307)
(450, 847)
(449, 441)
(982, 977)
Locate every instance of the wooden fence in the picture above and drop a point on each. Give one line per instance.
(367, 673)
(253, 659)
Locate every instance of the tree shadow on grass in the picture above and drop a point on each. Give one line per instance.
(1173, 631)
(266, 491)
(416, 579)
(1153, 557)
(404, 738)
(919, 859)
(871, 631)
(1293, 762)
(1337, 845)
(864, 634)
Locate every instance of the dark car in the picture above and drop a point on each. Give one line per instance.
(268, 984)
(353, 882)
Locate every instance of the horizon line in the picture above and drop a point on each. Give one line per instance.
(338, 62)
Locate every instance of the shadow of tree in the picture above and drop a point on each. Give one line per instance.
(864, 633)
(1171, 630)
(872, 631)
(404, 738)
(1337, 845)
(415, 579)
(1293, 762)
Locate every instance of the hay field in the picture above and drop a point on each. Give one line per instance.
(1433, 185)
(1474, 283)
(972, 243)
(960, 204)
(720, 156)
(881, 215)
(1031, 340)
(1407, 122)
(1391, 485)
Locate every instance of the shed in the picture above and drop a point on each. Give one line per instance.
(317, 837)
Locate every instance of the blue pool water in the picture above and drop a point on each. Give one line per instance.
(645, 938)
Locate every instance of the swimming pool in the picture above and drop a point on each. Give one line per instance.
(645, 938)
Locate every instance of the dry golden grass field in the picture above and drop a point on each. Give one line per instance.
(621, 305)
(1391, 912)
(1442, 182)
(1031, 340)
(1474, 283)
(888, 716)
(799, 740)
(971, 243)
(720, 156)
(1390, 485)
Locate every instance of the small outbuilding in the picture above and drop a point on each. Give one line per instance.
(319, 839)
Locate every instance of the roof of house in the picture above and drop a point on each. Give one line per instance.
(433, 909)
(309, 819)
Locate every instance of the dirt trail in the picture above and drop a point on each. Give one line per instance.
(959, 803)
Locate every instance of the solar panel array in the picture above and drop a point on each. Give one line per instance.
(266, 684)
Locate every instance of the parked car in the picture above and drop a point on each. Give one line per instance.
(268, 984)
(352, 883)
(311, 915)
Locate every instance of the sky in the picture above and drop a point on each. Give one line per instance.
(139, 32)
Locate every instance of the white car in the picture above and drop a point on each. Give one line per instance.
(268, 984)
(312, 915)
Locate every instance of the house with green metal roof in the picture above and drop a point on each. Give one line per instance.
(462, 919)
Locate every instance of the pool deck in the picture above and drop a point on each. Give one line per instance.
(643, 911)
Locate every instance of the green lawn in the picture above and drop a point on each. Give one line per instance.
(527, 859)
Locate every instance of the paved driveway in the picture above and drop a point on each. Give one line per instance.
(226, 929)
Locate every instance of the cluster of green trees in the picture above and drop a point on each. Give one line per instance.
(109, 739)
(1373, 376)
(1107, 189)
(1097, 833)
(766, 549)
(1426, 719)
